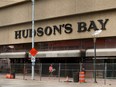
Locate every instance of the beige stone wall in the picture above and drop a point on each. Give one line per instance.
(9, 2)
(7, 35)
(46, 9)
(56, 12)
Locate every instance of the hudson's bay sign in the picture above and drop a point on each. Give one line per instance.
(63, 28)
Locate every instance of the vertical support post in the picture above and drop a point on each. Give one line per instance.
(9, 65)
(97, 32)
(94, 59)
(105, 74)
(33, 13)
(33, 64)
(80, 66)
(24, 70)
(59, 72)
(40, 71)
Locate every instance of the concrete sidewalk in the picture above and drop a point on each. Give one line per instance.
(50, 83)
(54, 82)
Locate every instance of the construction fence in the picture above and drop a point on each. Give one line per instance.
(61, 70)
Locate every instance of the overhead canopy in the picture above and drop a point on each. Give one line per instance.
(12, 55)
(63, 53)
(43, 54)
(101, 52)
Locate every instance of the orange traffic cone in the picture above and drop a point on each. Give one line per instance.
(81, 77)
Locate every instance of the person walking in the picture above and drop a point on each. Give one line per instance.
(50, 70)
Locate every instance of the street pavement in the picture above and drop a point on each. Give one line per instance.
(46, 82)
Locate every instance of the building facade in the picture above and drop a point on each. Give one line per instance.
(63, 31)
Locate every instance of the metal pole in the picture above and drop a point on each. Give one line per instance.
(80, 66)
(24, 72)
(40, 71)
(95, 60)
(105, 74)
(59, 71)
(33, 13)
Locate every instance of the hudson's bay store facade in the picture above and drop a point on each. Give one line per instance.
(62, 29)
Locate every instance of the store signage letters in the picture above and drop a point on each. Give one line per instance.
(63, 28)
(82, 26)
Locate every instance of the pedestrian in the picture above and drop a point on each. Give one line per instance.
(50, 70)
